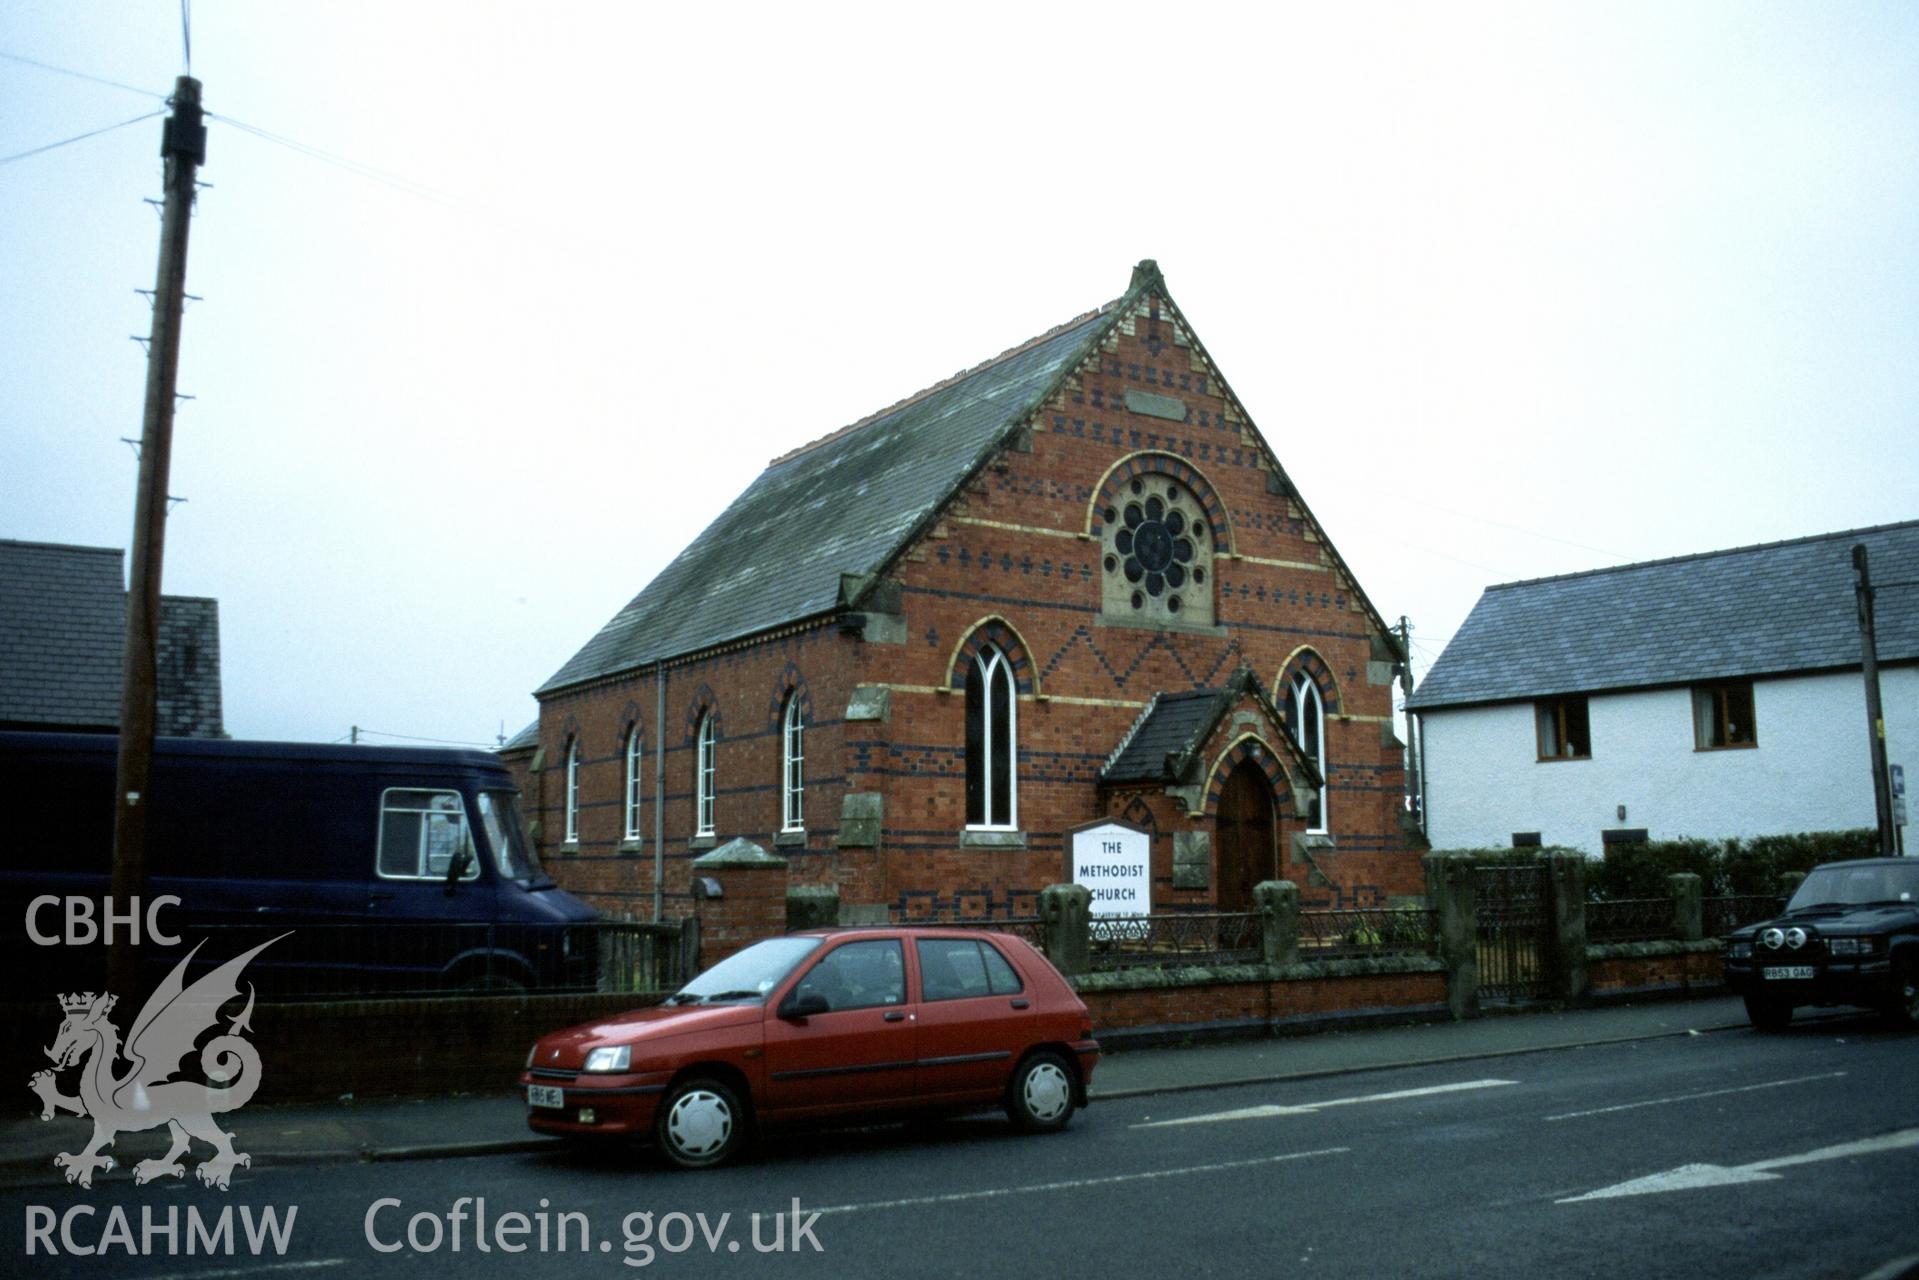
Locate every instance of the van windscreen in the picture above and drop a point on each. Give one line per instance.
(500, 814)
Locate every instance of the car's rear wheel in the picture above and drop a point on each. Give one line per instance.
(1040, 1097)
(1768, 1013)
(701, 1123)
(1902, 1010)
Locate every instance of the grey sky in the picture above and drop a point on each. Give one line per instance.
(1512, 290)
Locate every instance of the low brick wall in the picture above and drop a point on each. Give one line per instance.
(368, 1048)
(1157, 1006)
(1656, 968)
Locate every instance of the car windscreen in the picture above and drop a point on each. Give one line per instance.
(750, 974)
(1838, 886)
(500, 814)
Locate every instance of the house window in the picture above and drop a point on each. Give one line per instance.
(1563, 731)
(703, 779)
(1306, 715)
(1722, 715)
(991, 745)
(573, 791)
(635, 754)
(1157, 554)
(793, 770)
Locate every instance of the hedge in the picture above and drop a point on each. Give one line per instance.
(1734, 867)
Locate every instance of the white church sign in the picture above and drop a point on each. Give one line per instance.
(1115, 861)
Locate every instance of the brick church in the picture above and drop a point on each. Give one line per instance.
(1071, 584)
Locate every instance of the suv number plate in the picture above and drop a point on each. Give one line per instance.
(1788, 972)
(546, 1095)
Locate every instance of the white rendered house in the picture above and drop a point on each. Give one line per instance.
(1711, 695)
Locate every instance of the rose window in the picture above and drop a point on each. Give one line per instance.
(1158, 552)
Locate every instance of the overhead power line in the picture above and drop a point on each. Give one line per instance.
(402, 737)
(81, 75)
(67, 142)
(338, 161)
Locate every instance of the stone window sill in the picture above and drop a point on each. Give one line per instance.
(631, 846)
(974, 838)
(703, 842)
(789, 840)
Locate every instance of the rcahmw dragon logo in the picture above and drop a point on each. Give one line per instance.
(145, 1096)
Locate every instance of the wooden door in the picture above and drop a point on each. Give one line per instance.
(1245, 837)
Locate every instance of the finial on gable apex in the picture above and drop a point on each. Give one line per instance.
(1146, 274)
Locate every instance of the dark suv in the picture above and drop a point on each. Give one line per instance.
(1850, 935)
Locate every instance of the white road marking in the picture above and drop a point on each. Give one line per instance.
(1076, 1184)
(1690, 1097)
(1309, 1108)
(312, 1265)
(1688, 1176)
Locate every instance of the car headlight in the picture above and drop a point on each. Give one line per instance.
(1795, 938)
(1740, 950)
(531, 1050)
(1851, 946)
(611, 1059)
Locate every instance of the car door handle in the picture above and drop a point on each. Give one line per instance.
(894, 1015)
(379, 897)
(1022, 1004)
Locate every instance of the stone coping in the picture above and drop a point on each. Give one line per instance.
(1648, 950)
(1148, 979)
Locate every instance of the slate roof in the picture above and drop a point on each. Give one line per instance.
(62, 642)
(525, 740)
(1160, 745)
(1172, 725)
(841, 505)
(1752, 611)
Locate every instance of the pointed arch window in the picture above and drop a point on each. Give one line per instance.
(704, 772)
(992, 748)
(793, 767)
(573, 791)
(1306, 715)
(635, 757)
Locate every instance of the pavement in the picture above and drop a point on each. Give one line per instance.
(492, 1123)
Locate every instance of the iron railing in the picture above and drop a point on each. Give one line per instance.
(360, 960)
(1629, 920)
(1199, 937)
(1359, 932)
(1723, 915)
(1513, 933)
(1031, 928)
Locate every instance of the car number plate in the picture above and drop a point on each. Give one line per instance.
(1789, 971)
(546, 1095)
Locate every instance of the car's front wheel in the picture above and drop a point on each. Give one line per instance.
(701, 1123)
(1040, 1097)
(1768, 1013)
(1902, 1010)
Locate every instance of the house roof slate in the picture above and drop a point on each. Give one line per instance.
(63, 624)
(1773, 609)
(841, 505)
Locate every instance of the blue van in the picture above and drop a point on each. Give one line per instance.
(396, 869)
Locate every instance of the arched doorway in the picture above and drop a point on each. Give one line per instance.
(1245, 836)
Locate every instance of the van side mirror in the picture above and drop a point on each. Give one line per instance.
(795, 1007)
(456, 867)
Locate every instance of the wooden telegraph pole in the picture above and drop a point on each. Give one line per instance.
(1875, 717)
(184, 146)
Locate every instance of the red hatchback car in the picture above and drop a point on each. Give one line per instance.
(823, 1025)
